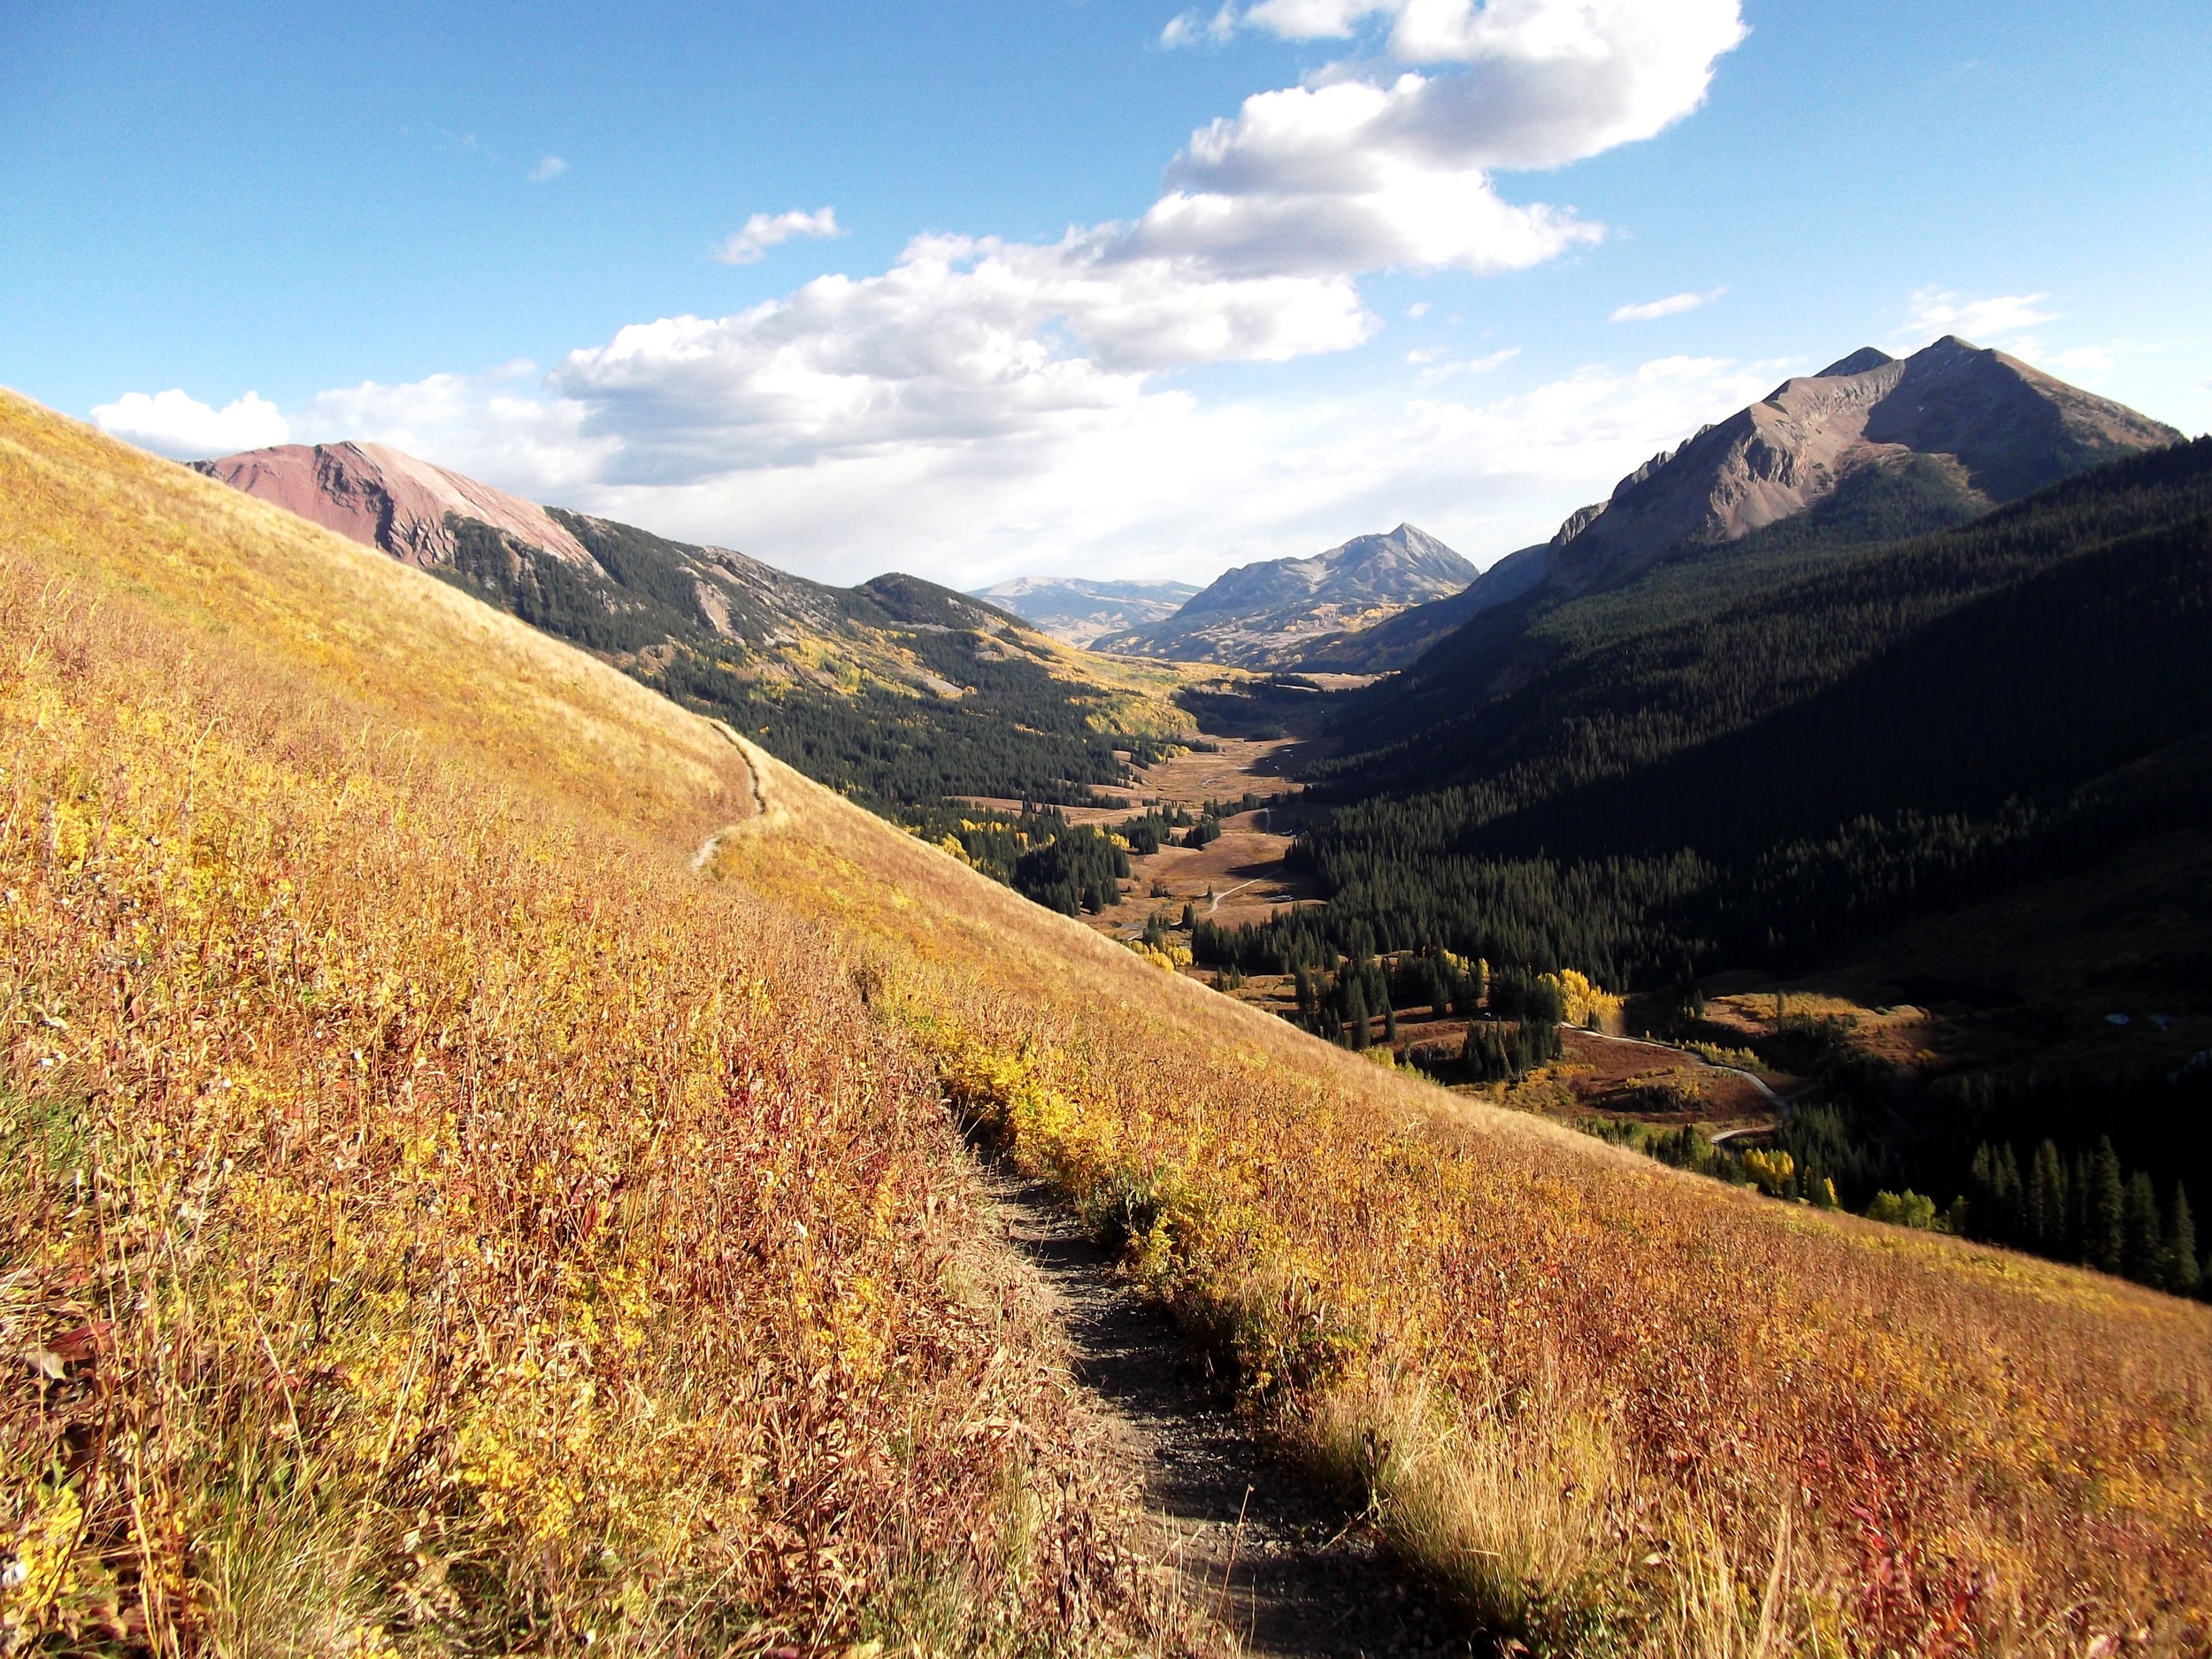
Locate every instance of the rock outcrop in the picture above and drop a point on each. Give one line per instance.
(389, 499)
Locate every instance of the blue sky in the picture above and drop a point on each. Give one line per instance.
(1076, 306)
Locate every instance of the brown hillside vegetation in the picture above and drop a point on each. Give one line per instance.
(435, 1220)
(439, 1218)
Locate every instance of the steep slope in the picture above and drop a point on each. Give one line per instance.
(1081, 611)
(898, 690)
(2011, 428)
(1404, 639)
(467, 1225)
(438, 1220)
(2012, 660)
(375, 494)
(1258, 615)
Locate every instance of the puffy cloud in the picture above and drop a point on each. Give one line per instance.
(960, 340)
(1674, 305)
(548, 170)
(1004, 402)
(1358, 171)
(1167, 486)
(1536, 83)
(1935, 312)
(764, 231)
(171, 423)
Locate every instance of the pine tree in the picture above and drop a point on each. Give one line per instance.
(2104, 1211)
(1390, 1023)
(2185, 1277)
(2046, 1201)
(1981, 1192)
(2012, 1197)
(1356, 1011)
(2144, 1244)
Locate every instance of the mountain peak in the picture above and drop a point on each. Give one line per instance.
(2008, 427)
(1858, 363)
(387, 498)
(1251, 614)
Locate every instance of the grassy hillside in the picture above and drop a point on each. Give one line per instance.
(449, 1220)
(436, 1218)
(1610, 1407)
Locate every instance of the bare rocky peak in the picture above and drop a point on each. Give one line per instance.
(389, 499)
(1406, 566)
(2011, 428)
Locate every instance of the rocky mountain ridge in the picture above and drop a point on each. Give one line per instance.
(374, 494)
(1975, 427)
(1261, 614)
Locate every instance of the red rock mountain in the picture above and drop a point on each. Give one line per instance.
(389, 499)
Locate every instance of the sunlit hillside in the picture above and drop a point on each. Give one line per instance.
(437, 1218)
(479, 1179)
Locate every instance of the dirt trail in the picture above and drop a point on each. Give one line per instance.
(1273, 1558)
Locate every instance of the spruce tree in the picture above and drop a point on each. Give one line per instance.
(2104, 1211)
(2185, 1277)
(1981, 1192)
(2144, 1242)
(1356, 1011)
(2012, 1199)
(2046, 1201)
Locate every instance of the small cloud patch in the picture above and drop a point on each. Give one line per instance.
(1674, 305)
(764, 231)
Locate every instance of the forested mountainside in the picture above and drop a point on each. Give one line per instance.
(2010, 721)
(898, 692)
(1767, 783)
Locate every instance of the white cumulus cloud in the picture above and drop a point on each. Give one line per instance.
(548, 170)
(1674, 305)
(1364, 168)
(171, 423)
(764, 231)
(985, 401)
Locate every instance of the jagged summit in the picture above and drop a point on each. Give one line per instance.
(1252, 614)
(1858, 363)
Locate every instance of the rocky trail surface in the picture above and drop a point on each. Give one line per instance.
(1274, 1560)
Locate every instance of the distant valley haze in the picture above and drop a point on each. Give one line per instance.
(1107, 294)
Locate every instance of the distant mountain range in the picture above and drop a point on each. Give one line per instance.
(1080, 612)
(1261, 615)
(898, 691)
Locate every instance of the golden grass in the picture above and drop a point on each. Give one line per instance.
(435, 1219)
(1612, 1407)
